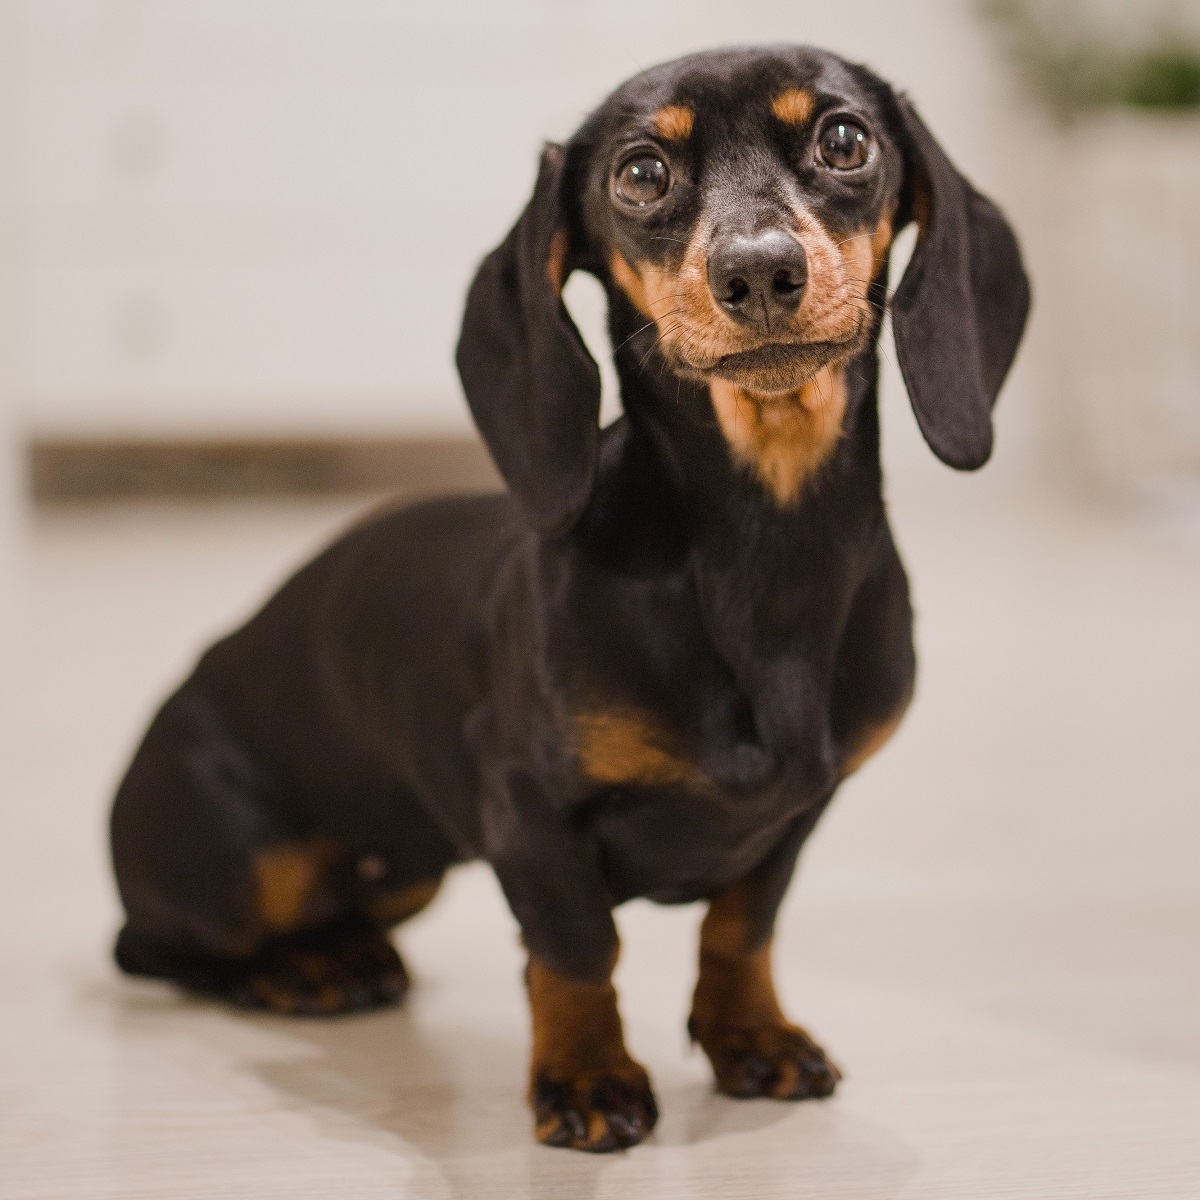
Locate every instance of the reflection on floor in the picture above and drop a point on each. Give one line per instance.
(996, 930)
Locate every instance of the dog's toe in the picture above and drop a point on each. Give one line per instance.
(597, 1111)
(780, 1061)
(322, 974)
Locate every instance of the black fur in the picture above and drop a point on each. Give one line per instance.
(410, 696)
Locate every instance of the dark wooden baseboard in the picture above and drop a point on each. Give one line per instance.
(62, 470)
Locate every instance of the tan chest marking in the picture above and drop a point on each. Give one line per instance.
(630, 747)
(556, 261)
(783, 438)
(871, 742)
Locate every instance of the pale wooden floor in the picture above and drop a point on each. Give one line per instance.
(996, 930)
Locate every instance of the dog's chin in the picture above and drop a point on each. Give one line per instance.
(776, 368)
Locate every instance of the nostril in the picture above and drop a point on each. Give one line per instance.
(758, 277)
(736, 290)
(785, 284)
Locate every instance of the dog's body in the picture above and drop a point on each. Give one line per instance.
(645, 670)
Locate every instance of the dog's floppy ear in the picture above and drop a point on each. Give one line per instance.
(532, 386)
(959, 311)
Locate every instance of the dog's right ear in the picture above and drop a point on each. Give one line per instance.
(533, 388)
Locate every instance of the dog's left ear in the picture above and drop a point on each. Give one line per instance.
(533, 388)
(960, 309)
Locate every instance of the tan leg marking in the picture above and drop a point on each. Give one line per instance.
(585, 1090)
(674, 122)
(300, 962)
(735, 979)
(629, 747)
(754, 1049)
(286, 880)
(794, 106)
(390, 908)
(783, 436)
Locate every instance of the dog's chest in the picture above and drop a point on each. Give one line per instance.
(682, 839)
(700, 718)
(681, 802)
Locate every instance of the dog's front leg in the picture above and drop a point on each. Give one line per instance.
(754, 1049)
(585, 1090)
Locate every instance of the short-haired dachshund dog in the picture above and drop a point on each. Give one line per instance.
(644, 669)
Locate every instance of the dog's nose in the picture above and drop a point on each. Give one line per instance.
(759, 278)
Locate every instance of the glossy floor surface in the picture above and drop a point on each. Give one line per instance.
(996, 931)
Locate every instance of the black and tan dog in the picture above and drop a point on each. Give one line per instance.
(643, 671)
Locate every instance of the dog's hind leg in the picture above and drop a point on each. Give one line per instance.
(227, 894)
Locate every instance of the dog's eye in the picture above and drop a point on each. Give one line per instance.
(642, 179)
(843, 145)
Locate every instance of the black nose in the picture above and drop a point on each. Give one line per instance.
(759, 278)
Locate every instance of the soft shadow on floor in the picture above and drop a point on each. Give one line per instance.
(447, 1094)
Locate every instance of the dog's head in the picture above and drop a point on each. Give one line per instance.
(741, 205)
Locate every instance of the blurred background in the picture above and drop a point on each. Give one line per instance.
(250, 225)
(235, 237)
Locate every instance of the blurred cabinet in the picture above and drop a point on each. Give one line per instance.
(258, 217)
(1130, 259)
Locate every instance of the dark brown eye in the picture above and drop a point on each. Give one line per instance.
(843, 145)
(642, 179)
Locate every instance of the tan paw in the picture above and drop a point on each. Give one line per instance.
(597, 1111)
(777, 1060)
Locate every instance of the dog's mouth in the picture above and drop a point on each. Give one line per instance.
(775, 366)
(775, 356)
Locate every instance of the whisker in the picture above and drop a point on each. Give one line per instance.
(643, 328)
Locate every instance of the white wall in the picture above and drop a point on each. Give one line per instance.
(259, 216)
(10, 482)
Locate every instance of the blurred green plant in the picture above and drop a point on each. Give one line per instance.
(1074, 68)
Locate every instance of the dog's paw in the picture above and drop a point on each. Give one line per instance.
(324, 974)
(780, 1060)
(597, 1111)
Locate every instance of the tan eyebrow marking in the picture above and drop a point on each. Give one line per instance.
(793, 106)
(674, 122)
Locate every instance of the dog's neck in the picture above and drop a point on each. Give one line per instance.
(732, 454)
(783, 439)
(685, 487)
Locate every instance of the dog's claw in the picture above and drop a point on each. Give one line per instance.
(780, 1061)
(597, 1113)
